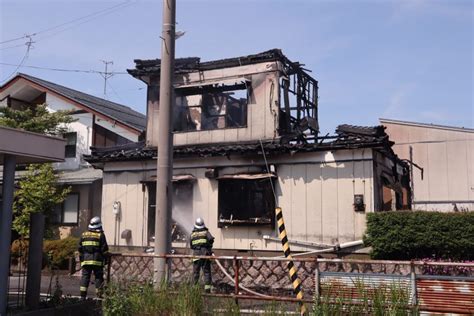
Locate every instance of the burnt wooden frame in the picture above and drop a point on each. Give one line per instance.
(295, 119)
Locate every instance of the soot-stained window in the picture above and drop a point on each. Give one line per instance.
(245, 202)
(210, 107)
(182, 210)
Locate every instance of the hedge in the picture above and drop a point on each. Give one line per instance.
(59, 251)
(420, 234)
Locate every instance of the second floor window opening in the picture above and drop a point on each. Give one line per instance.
(71, 140)
(211, 107)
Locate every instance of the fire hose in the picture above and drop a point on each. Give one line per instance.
(240, 286)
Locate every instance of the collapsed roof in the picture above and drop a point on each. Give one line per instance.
(144, 67)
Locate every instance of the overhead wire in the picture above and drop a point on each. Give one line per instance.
(91, 16)
(28, 47)
(66, 70)
(126, 4)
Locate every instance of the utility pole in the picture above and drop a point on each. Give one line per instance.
(165, 144)
(106, 75)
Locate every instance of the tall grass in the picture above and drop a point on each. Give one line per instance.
(386, 299)
(124, 299)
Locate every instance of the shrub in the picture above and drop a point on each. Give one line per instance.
(419, 234)
(19, 248)
(60, 251)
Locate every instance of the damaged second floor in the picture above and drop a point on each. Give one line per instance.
(257, 97)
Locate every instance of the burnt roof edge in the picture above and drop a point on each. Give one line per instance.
(189, 64)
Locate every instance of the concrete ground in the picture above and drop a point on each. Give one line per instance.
(68, 284)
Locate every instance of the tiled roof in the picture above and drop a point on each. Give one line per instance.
(118, 112)
(348, 137)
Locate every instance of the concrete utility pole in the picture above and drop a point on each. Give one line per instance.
(165, 143)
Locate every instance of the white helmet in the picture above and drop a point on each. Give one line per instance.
(199, 224)
(95, 223)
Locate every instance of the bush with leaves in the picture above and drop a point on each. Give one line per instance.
(60, 251)
(38, 192)
(420, 234)
(36, 119)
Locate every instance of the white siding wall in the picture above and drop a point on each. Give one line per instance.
(125, 187)
(83, 128)
(447, 157)
(119, 130)
(315, 190)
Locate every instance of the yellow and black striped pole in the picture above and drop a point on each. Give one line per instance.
(291, 266)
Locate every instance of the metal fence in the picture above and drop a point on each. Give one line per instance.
(432, 286)
(17, 277)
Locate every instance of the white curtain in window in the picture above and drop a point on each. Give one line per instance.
(71, 208)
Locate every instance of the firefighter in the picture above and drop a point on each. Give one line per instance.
(93, 251)
(201, 243)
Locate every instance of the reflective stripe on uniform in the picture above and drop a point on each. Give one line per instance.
(83, 288)
(199, 234)
(90, 243)
(91, 263)
(199, 242)
(91, 234)
(207, 287)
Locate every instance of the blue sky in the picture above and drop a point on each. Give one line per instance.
(408, 60)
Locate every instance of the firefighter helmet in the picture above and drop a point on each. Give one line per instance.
(95, 223)
(199, 224)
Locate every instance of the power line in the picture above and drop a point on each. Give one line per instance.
(91, 16)
(9, 47)
(115, 92)
(68, 70)
(106, 75)
(83, 22)
(28, 47)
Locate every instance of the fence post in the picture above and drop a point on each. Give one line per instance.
(236, 279)
(317, 284)
(413, 283)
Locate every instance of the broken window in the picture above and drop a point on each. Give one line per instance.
(182, 209)
(209, 107)
(246, 202)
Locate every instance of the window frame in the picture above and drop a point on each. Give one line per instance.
(65, 136)
(267, 220)
(61, 208)
(209, 89)
(188, 184)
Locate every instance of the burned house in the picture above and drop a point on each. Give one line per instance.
(245, 141)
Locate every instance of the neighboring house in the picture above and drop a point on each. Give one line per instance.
(446, 156)
(100, 123)
(246, 140)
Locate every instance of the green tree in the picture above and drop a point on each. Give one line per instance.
(38, 192)
(36, 119)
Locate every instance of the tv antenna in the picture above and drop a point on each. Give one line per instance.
(106, 74)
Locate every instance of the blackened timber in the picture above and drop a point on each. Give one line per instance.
(209, 89)
(286, 100)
